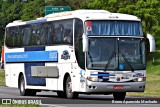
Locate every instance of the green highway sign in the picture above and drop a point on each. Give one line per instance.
(56, 9)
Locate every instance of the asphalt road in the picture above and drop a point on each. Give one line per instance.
(50, 99)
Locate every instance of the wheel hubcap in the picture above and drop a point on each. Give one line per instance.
(69, 87)
(22, 86)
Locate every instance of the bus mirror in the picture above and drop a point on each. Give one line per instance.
(85, 43)
(151, 43)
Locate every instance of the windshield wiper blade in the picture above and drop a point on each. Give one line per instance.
(109, 60)
(127, 62)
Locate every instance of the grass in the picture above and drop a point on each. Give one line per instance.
(153, 66)
(2, 77)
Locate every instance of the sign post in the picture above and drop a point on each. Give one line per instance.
(56, 9)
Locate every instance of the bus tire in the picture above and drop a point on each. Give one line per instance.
(68, 89)
(120, 96)
(61, 94)
(23, 91)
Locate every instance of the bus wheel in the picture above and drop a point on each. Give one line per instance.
(61, 94)
(68, 89)
(22, 89)
(119, 96)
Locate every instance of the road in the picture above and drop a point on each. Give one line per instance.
(51, 99)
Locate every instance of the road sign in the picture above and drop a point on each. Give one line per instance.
(56, 9)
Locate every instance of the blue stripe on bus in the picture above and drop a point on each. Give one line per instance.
(104, 75)
(36, 21)
(29, 79)
(32, 56)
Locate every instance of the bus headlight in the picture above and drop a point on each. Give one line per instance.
(95, 79)
(139, 79)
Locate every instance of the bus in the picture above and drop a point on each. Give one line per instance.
(77, 52)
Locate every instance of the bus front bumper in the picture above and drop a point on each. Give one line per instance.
(96, 87)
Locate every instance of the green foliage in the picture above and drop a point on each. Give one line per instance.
(33, 10)
(153, 64)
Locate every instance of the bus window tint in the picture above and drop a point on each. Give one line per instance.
(62, 32)
(12, 36)
(8, 38)
(26, 36)
(68, 32)
(44, 33)
(58, 31)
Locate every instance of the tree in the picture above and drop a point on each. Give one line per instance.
(33, 10)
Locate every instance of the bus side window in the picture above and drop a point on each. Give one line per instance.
(58, 32)
(44, 34)
(8, 37)
(68, 31)
(35, 34)
(67, 36)
(15, 36)
(52, 33)
(26, 36)
(20, 38)
(43, 31)
(12, 35)
(38, 34)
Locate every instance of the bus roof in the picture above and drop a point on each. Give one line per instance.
(82, 14)
(91, 15)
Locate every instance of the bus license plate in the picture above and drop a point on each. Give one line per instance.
(118, 87)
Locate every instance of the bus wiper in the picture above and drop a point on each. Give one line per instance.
(124, 57)
(109, 61)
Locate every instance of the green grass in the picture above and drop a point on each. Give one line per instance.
(2, 77)
(153, 66)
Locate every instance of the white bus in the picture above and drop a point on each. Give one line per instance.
(77, 52)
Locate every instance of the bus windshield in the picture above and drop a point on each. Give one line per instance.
(122, 54)
(112, 28)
